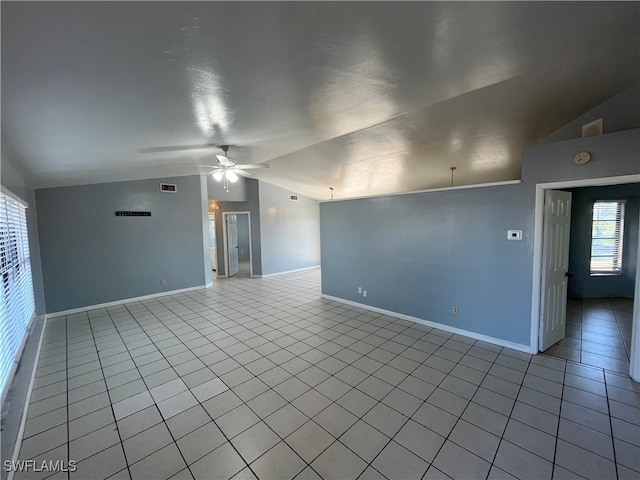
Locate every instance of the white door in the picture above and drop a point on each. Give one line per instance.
(555, 265)
(232, 244)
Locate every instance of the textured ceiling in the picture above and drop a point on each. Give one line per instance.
(364, 97)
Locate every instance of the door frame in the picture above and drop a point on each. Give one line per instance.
(226, 247)
(212, 217)
(536, 295)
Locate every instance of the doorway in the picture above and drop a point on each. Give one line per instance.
(236, 242)
(539, 286)
(601, 260)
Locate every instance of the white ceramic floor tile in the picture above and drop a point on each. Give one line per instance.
(185, 373)
(132, 405)
(176, 404)
(200, 442)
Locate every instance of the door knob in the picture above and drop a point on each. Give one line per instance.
(568, 274)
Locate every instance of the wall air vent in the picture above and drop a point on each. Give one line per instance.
(133, 214)
(168, 187)
(592, 129)
(294, 198)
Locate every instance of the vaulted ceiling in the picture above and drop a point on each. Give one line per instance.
(364, 97)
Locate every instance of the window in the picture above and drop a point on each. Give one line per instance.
(16, 290)
(606, 237)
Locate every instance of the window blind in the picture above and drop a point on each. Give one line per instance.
(16, 289)
(606, 237)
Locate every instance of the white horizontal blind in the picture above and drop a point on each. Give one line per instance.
(16, 288)
(606, 237)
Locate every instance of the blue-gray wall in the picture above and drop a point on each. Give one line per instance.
(14, 181)
(237, 191)
(90, 256)
(582, 284)
(422, 254)
(289, 230)
(252, 205)
(612, 154)
(243, 237)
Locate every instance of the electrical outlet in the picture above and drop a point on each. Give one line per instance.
(364, 293)
(162, 282)
(359, 289)
(454, 310)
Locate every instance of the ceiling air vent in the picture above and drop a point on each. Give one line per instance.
(293, 198)
(168, 187)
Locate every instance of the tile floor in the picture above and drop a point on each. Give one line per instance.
(260, 378)
(244, 269)
(598, 333)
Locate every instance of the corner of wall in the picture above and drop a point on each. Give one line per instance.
(618, 113)
(290, 230)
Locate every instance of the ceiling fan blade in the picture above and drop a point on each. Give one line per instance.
(251, 167)
(175, 148)
(212, 167)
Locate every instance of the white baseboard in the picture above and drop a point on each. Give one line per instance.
(286, 272)
(478, 336)
(125, 300)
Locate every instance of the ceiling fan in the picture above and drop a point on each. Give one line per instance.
(227, 169)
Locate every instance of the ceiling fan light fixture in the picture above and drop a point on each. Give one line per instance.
(218, 175)
(231, 176)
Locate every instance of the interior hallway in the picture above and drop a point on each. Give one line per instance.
(244, 269)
